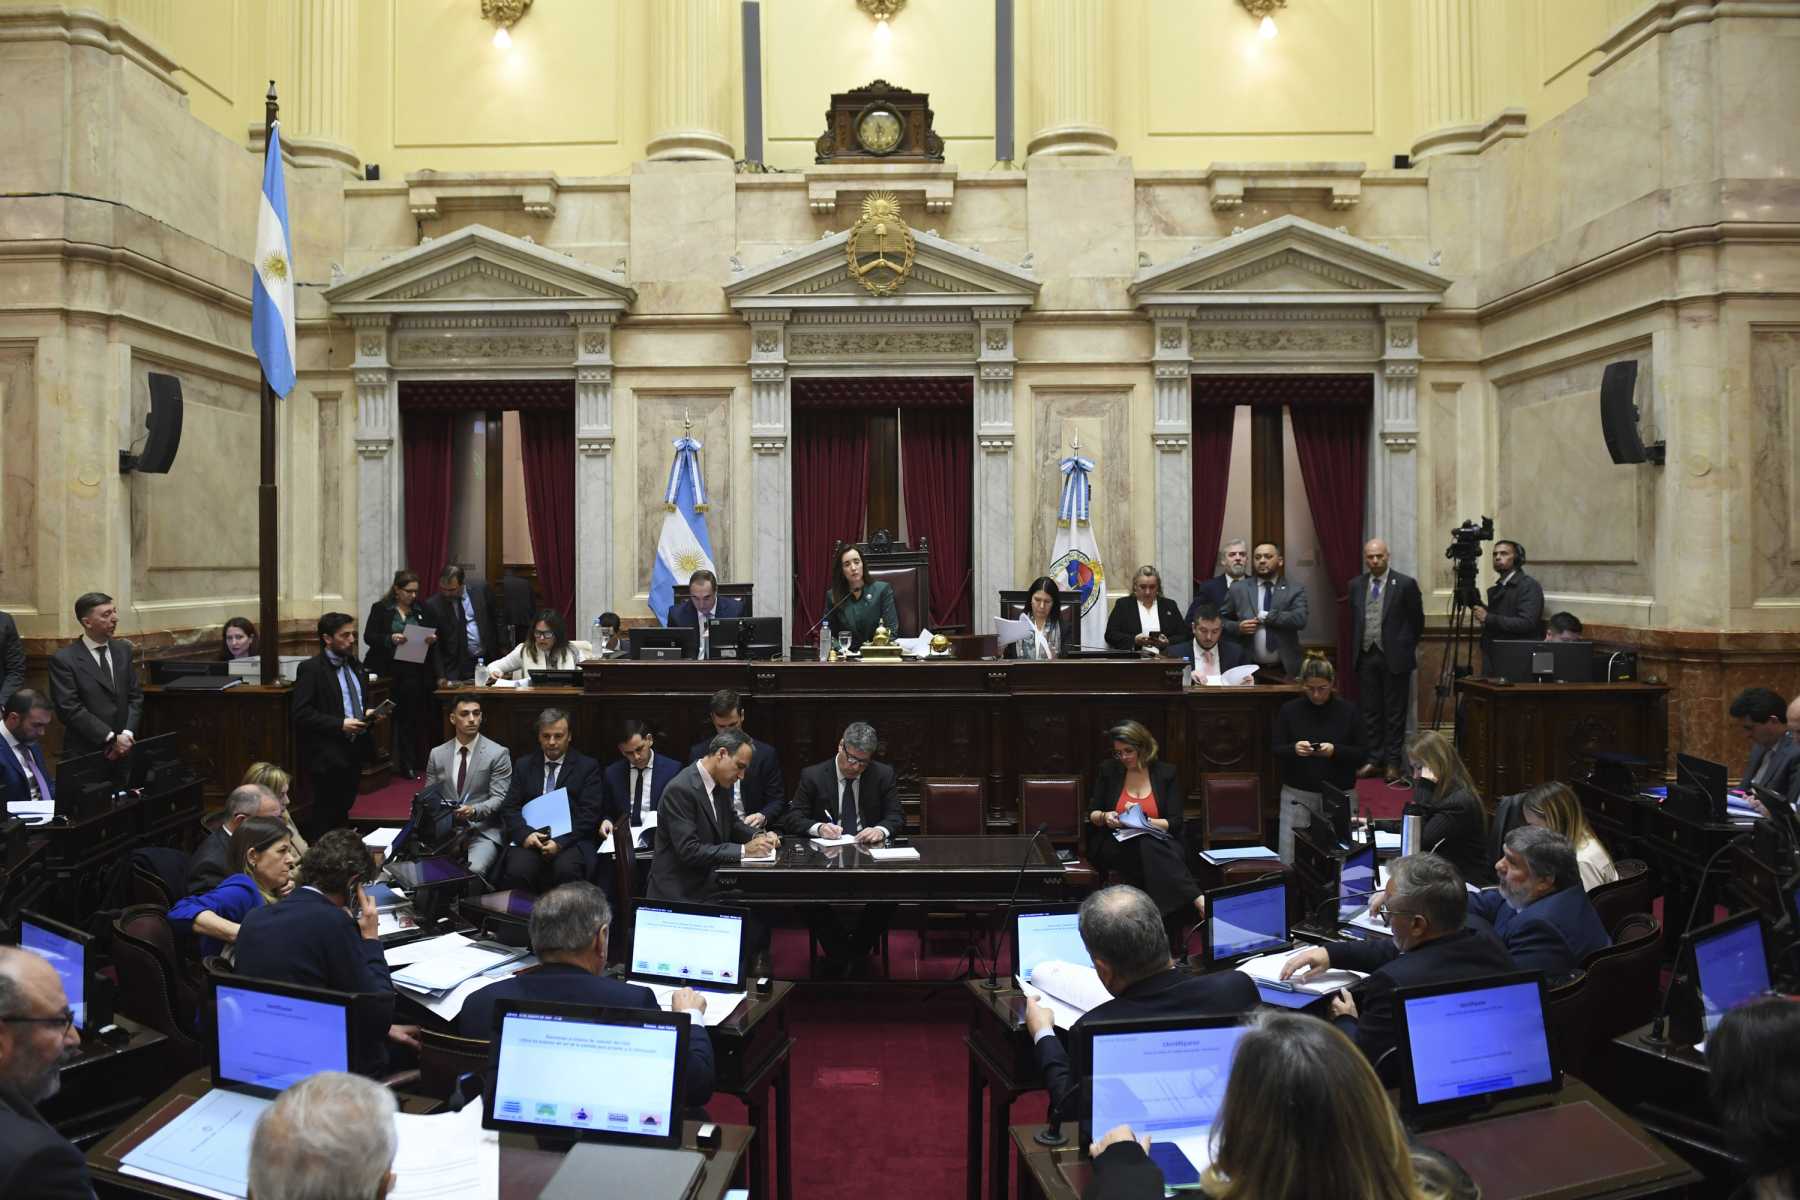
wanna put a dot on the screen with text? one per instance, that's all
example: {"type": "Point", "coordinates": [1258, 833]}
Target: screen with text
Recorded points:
{"type": "Point", "coordinates": [1249, 922]}
{"type": "Point", "coordinates": [701, 949]}
{"type": "Point", "coordinates": [272, 1041]}
{"type": "Point", "coordinates": [68, 956]}
{"type": "Point", "coordinates": [1733, 969]}
{"type": "Point", "coordinates": [1050, 937]}
{"type": "Point", "coordinates": [1355, 882]}
{"type": "Point", "coordinates": [575, 1074]}
{"type": "Point", "coordinates": [1167, 1083]}
{"type": "Point", "coordinates": [1478, 1042]}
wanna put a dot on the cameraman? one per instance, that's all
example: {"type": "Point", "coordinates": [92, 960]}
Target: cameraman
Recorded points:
{"type": "Point", "coordinates": [1515, 605]}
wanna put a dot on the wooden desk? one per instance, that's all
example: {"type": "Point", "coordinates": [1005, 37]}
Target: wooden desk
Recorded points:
{"type": "Point", "coordinates": [1665, 1088]}
{"type": "Point", "coordinates": [949, 870]}
{"type": "Point", "coordinates": [1515, 735]}
{"type": "Point", "coordinates": [1611, 1154]}
{"type": "Point", "coordinates": [22, 873]}
{"type": "Point", "coordinates": [1003, 1065]}
{"type": "Point", "coordinates": [79, 854]}
{"type": "Point", "coordinates": [104, 1084]}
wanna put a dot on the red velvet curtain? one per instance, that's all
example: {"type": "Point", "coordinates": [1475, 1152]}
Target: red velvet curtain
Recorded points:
{"type": "Point", "coordinates": [831, 494]}
{"type": "Point", "coordinates": [938, 475]}
{"type": "Point", "coordinates": [427, 441]}
{"type": "Point", "coordinates": [1332, 443]}
{"type": "Point", "coordinates": [547, 446]}
{"type": "Point", "coordinates": [1212, 483]}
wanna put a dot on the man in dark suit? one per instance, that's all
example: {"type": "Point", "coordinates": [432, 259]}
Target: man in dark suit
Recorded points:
{"type": "Point", "coordinates": [332, 718]}
{"type": "Point", "coordinates": [1387, 618]}
{"type": "Point", "coordinates": [1774, 754]}
{"type": "Point", "coordinates": [93, 683]}
{"type": "Point", "coordinates": [1515, 604]}
{"type": "Point", "coordinates": [536, 862]}
{"type": "Point", "coordinates": [1234, 557]}
{"type": "Point", "coordinates": [695, 827]}
{"type": "Point", "coordinates": [211, 861]}
{"type": "Point", "coordinates": [634, 785]}
{"type": "Point", "coordinates": [464, 616]}
{"type": "Point", "coordinates": [1427, 905]}
{"type": "Point", "coordinates": [24, 776]}
{"type": "Point", "coordinates": [849, 795]}
{"type": "Point", "coordinates": [1212, 653]}
{"type": "Point", "coordinates": [1124, 935]}
{"type": "Point", "coordinates": [1540, 911]}
{"type": "Point", "coordinates": [702, 605]}
{"type": "Point", "coordinates": [1267, 613]}
{"type": "Point", "coordinates": [758, 797]}
{"type": "Point", "coordinates": [569, 927]}
{"type": "Point", "coordinates": [12, 658]}
{"type": "Point", "coordinates": [36, 1036]}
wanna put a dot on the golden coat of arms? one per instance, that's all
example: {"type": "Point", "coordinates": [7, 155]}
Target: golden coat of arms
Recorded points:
{"type": "Point", "coordinates": [880, 247]}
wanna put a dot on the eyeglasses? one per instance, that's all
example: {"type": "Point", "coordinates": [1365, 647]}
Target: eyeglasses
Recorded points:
{"type": "Point", "coordinates": [543, 633]}
{"type": "Point", "coordinates": [861, 760]}
{"type": "Point", "coordinates": [65, 1019]}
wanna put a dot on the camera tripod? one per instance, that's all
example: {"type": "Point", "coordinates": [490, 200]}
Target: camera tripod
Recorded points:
{"type": "Point", "coordinates": [1459, 649]}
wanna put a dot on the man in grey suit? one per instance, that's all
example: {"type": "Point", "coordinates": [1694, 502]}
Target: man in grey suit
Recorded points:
{"type": "Point", "coordinates": [93, 684]}
{"type": "Point", "coordinates": [1267, 612]}
{"type": "Point", "coordinates": [1387, 617]}
{"type": "Point", "coordinates": [696, 827]}
{"type": "Point", "coordinates": [1774, 754]}
{"type": "Point", "coordinates": [477, 771]}
{"type": "Point", "coordinates": [12, 658]}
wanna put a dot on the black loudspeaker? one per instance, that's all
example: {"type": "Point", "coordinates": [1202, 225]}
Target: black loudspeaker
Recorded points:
{"type": "Point", "coordinates": [164, 425]}
{"type": "Point", "coordinates": [1619, 416]}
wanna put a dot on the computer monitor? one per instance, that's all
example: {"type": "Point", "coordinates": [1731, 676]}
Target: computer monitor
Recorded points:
{"type": "Point", "coordinates": [681, 641]}
{"type": "Point", "coordinates": [579, 1073]}
{"type": "Point", "coordinates": [1731, 966]}
{"type": "Point", "coordinates": [1245, 920]}
{"type": "Point", "coordinates": [1356, 882]}
{"type": "Point", "coordinates": [1164, 1077]}
{"type": "Point", "coordinates": [1047, 933]}
{"type": "Point", "coordinates": [690, 945]}
{"type": "Point", "coordinates": [156, 763]}
{"type": "Point", "coordinates": [163, 670]}
{"type": "Point", "coordinates": [1524, 661]}
{"type": "Point", "coordinates": [1469, 1044]}
{"type": "Point", "coordinates": [66, 949]}
{"type": "Point", "coordinates": [1338, 807]}
{"type": "Point", "coordinates": [268, 1036]}
{"type": "Point", "coordinates": [744, 637]}
{"type": "Point", "coordinates": [1703, 779]}
{"type": "Point", "coordinates": [85, 786]}
{"type": "Point", "coordinates": [565, 678]}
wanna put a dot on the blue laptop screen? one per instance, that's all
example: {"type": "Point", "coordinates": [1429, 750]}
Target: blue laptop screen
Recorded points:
{"type": "Point", "coordinates": [1732, 969]}
{"type": "Point", "coordinates": [1050, 937]}
{"type": "Point", "coordinates": [1355, 882]}
{"type": "Point", "coordinates": [272, 1041]}
{"type": "Point", "coordinates": [1168, 1083]}
{"type": "Point", "coordinates": [1478, 1042]}
{"type": "Point", "coordinates": [68, 957]}
{"type": "Point", "coordinates": [1249, 922]}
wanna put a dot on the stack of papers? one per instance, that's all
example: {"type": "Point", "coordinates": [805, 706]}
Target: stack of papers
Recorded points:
{"type": "Point", "coordinates": [1235, 677]}
{"type": "Point", "coordinates": [32, 812]}
{"type": "Point", "coordinates": [446, 962]}
{"type": "Point", "coordinates": [1134, 823]}
{"type": "Point", "coordinates": [1219, 858]}
{"type": "Point", "coordinates": [1070, 990]}
{"type": "Point", "coordinates": [448, 1005]}
{"type": "Point", "coordinates": [637, 833]}
{"type": "Point", "coordinates": [764, 858]}
{"type": "Point", "coordinates": [719, 1005]}
{"type": "Point", "coordinates": [844, 839]}
{"type": "Point", "coordinates": [445, 1155]}
{"type": "Point", "coordinates": [381, 839]}
{"type": "Point", "coordinates": [1266, 970]}
{"type": "Point", "coordinates": [1008, 630]}
{"type": "Point", "coordinates": [205, 1149]}
{"type": "Point", "coordinates": [916, 647]}
{"type": "Point", "coordinates": [894, 853]}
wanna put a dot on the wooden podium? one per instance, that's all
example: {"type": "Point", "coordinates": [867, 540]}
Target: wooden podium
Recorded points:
{"type": "Point", "coordinates": [1515, 735]}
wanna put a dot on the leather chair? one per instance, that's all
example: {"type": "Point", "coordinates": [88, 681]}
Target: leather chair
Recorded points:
{"type": "Point", "coordinates": [1626, 895]}
{"type": "Point", "coordinates": [908, 572]}
{"type": "Point", "coordinates": [158, 876]}
{"type": "Point", "coordinates": [1013, 602]}
{"type": "Point", "coordinates": [1568, 1017]}
{"type": "Point", "coordinates": [733, 591]}
{"type": "Point", "coordinates": [444, 1058]}
{"type": "Point", "coordinates": [1231, 809]}
{"type": "Point", "coordinates": [1055, 802]}
{"type": "Point", "coordinates": [951, 806]}
{"type": "Point", "coordinates": [1628, 974]}
{"type": "Point", "coordinates": [154, 986]}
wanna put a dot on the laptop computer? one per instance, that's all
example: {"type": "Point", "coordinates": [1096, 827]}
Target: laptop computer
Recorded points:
{"type": "Point", "coordinates": [1047, 933]}
{"type": "Point", "coordinates": [1466, 1046]}
{"type": "Point", "coordinates": [701, 946]}
{"type": "Point", "coordinates": [1162, 1076]}
{"type": "Point", "coordinates": [1731, 966]}
{"type": "Point", "coordinates": [1246, 920]}
{"type": "Point", "coordinates": [572, 1072]}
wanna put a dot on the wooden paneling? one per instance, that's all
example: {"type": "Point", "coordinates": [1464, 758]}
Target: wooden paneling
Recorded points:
{"type": "Point", "coordinates": [1517, 735]}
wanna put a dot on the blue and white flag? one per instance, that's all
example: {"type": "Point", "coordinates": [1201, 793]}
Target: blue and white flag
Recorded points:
{"type": "Point", "coordinates": [272, 290]}
{"type": "Point", "coordinates": [1075, 560]}
{"type": "Point", "coordinates": [685, 546]}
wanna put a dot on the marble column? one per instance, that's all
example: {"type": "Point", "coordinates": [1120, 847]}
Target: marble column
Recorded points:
{"type": "Point", "coordinates": [771, 479]}
{"type": "Point", "coordinates": [993, 555]}
{"type": "Point", "coordinates": [1447, 78]}
{"type": "Point", "coordinates": [314, 45]}
{"type": "Point", "coordinates": [1393, 501]}
{"type": "Point", "coordinates": [691, 101]}
{"type": "Point", "coordinates": [1171, 432]}
{"type": "Point", "coordinates": [1071, 109]}
{"type": "Point", "coordinates": [593, 467]}
{"type": "Point", "coordinates": [380, 523]}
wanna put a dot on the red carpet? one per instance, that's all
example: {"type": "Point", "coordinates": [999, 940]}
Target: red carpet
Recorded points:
{"type": "Point", "coordinates": [392, 803]}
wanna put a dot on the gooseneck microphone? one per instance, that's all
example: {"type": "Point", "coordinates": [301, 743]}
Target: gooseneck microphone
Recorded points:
{"type": "Point", "coordinates": [992, 983]}
{"type": "Point", "coordinates": [1657, 1038]}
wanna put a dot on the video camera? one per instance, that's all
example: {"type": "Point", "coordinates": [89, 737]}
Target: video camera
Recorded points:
{"type": "Point", "coordinates": [1465, 551]}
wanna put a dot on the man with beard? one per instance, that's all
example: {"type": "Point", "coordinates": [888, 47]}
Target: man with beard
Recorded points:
{"type": "Point", "coordinates": [37, 1032]}
{"type": "Point", "coordinates": [1515, 604]}
{"type": "Point", "coordinates": [1267, 613]}
{"type": "Point", "coordinates": [1236, 559]}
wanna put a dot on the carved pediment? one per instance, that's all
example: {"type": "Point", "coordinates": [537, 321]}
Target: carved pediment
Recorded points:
{"type": "Point", "coordinates": [1285, 260]}
{"type": "Point", "coordinates": [944, 274]}
{"type": "Point", "coordinates": [478, 268]}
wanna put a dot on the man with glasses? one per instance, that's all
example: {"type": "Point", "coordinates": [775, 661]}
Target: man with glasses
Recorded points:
{"type": "Point", "coordinates": [849, 795]}
{"type": "Point", "coordinates": [37, 1033]}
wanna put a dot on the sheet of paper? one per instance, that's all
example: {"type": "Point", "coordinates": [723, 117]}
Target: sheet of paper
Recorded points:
{"type": "Point", "coordinates": [916, 647]}
{"type": "Point", "coordinates": [894, 853]}
{"type": "Point", "coordinates": [1386, 841]}
{"type": "Point", "coordinates": [446, 1156]}
{"type": "Point", "coordinates": [847, 839]}
{"type": "Point", "coordinates": [415, 647]}
{"type": "Point", "coordinates": [765, 859]}
{"type": "Point", "coordinates": [206, 1148]}
{"type": "Point", "coordinates": [1219, 857]}
{"type": "Point", "coordinates": [1363, 920]}
{"type": "Point", "coordinates": [1008, 630]}
{"type": "Point", "coordinates": [1237, 675]}
{"type": "Point", "coordinates": [443, 971]}
{"type": "Point", "coordinates": [637, 832]}
{"type": "Point", "coordinates": [412, 952]}
{"type": "Point", "coordinates": [32, 812]}
{"type": "Point", "coordinates": [551, 809]}
{"type": "Point", "coordinates": [719, 1005]}
{"type": "Point", "coordinates": [381, 839]}
{"type": "Point", "coordinates": [449, 1005]}
{"type": "Point", "coordinates": [1267, 968]}
{"type": "Point", "coordinates": [1069, 989]}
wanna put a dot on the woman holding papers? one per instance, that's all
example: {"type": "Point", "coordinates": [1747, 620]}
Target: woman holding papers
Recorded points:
{"type": "Point", "coordinates": [548, 650]}
{"type": "Point", "coordinates": [1134, 824]}
{"type": "Point", "coordinates": [262, 858]}
{"type": "Point", "coordinates": [1044, 614]}
{"type": "Point", "coordinates": [384, 633]}
{"type": "Point", "coordinates": [856, 604]}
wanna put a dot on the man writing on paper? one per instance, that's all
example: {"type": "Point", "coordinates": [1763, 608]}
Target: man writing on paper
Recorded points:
{"type": "Point", "coordinates": [478, 772]}
{"type": "Point", "coordinates": [534, 861]}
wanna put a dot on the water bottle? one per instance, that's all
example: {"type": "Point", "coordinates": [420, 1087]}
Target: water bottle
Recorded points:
{"type": "Point", "coordinates": [825, 641]}
{"type": "Point", "coordinates": [480, 671]}
{"type": "Point", "coordinates": [594, 637]}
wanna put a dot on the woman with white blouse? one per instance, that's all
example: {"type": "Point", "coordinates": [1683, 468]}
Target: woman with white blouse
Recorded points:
{"type": "Point", "coordinates": [549, 649]}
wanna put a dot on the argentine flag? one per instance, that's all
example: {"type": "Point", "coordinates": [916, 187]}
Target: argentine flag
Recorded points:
{"type": "Point", "coordinates": [272, 290]}
{"type": "Point", "coordinates": [685, 546]}
{"type": "Point", "coordinates": [1075, 558]}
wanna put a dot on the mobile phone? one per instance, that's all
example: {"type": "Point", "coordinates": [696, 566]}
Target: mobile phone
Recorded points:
{"type": "Point", "coordinates": [381, 710]}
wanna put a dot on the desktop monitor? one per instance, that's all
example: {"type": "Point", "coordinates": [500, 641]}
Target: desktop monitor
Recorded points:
{"type": "Point", "coordinates": [564, 678]}
{"type": "Point", "coordinates": [1542, 662]}
{"type": "Point", "coordinates": [1702, 781]}
{"type": "Point", "coordinates": [1472, 1043]}
{"type": "Point", "coordinates": [580, 1073]}
{"type": "Point", "coordinates": [1047, 933]}
{"type": "Point", "coordinates": [166, 670]}
{"type": "Point", "coordinates": [1356, 882]}
{"type": "Point", "coordinates": [1164, 1077]}
{"type": "Point", "coordinates": [66, 949]}
{"type": "Point", "coordinates": [156, 763]}
{"type": "Point", "coordinates": [682, 641]}
{"type": "Point", "coordinates": [85, 786]}
{"type": "Point", "coordinates": [744, 637]}
{"type": "Point", "coordinates": [1731, 966]}
{"type": "Point", "coordinates": [1246, 920]}
{"type": "Point", "coordinates": [268, 1036]}
{"type": "Point", "coordinates": [690, 945]}
{"type": "Point", "coordinates": [1338, 807]}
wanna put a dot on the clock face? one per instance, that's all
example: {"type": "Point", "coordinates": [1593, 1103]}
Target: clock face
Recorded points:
{"type": "Point", "coordinates": [878, 131]}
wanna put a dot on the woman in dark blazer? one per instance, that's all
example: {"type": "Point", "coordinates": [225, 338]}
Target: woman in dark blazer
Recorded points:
{"type": "Point", "coordinates": [413, 682]}
{"type": "Point", "coordinates": [1157, 865]}
{"type": "Point", "coordinates": [1125, 624]}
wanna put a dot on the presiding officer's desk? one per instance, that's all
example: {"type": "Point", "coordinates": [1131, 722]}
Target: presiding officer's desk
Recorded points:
{"type": "Point", "coordinates": [981, 871]}
{"type": "Point", "coordinates": [1577, 1146]}
{"type": "Point", "coordinates": [524, 1168]}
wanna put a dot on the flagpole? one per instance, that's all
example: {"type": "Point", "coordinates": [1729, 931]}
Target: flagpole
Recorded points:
{"type": "Point", "coordinates": [268, 531]}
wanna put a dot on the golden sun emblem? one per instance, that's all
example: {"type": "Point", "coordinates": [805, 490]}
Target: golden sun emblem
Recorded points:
{"type": "Point", "coordinates": [881, 247]}
{"type": "Point", "coordinates": [275, 266]}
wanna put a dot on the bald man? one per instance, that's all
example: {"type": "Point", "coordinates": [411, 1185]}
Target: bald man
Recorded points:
{"type": "Point", "coordinates": [37, 1033]}
{"type": "Point", "coordinates": [1387, 615]}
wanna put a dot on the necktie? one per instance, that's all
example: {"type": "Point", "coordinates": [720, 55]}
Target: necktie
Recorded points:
{"type": "Point", "coordinates": [550, 776]}
{"type": "Point", "coordinates": [1268, 596]}
{"type": "Point", "coordinates": [31, 768]}
{"type": "Point", "coordinates": [847, 808]}
{"type": "Point", "coordinates": [103, 657]}
{"type": "Point", "coordinates": [462, 771]}
{"type": "Point", "coordinates": [637, 797]}
{"type": "Point", "coordinates": [1374, 591]}
{"type": "Point", "coordinates": [1207, 669]}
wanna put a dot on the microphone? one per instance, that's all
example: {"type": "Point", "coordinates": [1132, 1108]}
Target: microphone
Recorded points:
{"type": "Point", "coordinates": [1657, 1038]}
{"type": "Point", "coordinates": [833, 608]}
{"type": "Point", "coordinates": [1330, 900]}
{"type": "Point", "coordinates": [993, 983]}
